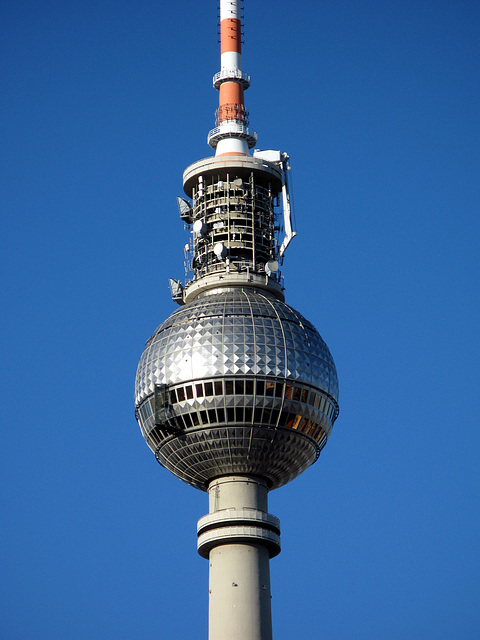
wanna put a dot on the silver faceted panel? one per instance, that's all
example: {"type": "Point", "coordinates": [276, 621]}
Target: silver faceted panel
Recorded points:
{"type": "Point", "coordinates": [277, 380]}
{"type": "Point", "coordinates": [235, 332]}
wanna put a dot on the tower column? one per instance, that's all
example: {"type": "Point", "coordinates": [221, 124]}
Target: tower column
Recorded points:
{"type": "Point", "coordinates": [239, 537]}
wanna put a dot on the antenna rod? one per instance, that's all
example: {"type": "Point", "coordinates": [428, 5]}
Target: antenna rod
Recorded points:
{"type": "Point", "coordinates": [231, 135]}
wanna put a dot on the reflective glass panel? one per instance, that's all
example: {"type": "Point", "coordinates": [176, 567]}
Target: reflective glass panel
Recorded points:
{"type": "Point", "coordinates": [296, 421]}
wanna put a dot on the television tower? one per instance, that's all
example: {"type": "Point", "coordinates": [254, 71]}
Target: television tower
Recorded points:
{"type": "Point", "coordinates": [236, 393]}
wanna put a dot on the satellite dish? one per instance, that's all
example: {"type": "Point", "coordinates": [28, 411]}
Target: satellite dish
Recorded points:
{"type": "Point", "coordinates": [199, 227]}
{"type": "Point", "coordinates": [271, 266]}
{"type": "Point", "coordinates": [220, 250]}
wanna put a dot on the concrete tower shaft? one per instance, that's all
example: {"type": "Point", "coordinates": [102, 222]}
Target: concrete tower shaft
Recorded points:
{"type": "Point", "coordinates": [239, 537]}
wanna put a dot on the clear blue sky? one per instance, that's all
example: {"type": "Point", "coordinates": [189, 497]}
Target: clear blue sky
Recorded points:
{"type": "Point", "coordinates": [104, 105]}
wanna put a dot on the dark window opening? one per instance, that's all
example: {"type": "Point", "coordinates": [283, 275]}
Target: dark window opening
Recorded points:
{"type": "Point", "coordinates": [209, 388]}
{"type": "Point", "coordinates": [239, 387]}
{"type": "Point", "coordinates": [290, 419]}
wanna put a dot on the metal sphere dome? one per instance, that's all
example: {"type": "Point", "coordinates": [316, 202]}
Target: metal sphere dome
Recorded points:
{"type": "Point", "coordinates": [236, 382]}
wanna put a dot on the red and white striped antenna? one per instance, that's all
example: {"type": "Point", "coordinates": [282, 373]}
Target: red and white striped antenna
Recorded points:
{"type": "Point", "coordinates": [231, 135]}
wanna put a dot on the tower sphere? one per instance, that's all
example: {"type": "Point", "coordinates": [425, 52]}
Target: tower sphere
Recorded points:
{"type": "Point", "coordinates": [236, 382]}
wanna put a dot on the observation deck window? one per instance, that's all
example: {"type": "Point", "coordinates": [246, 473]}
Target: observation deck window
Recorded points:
{"type": "Point", "coordinates": [269, 388]}
{"type": "Point", "coordinates": [209, 389]}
